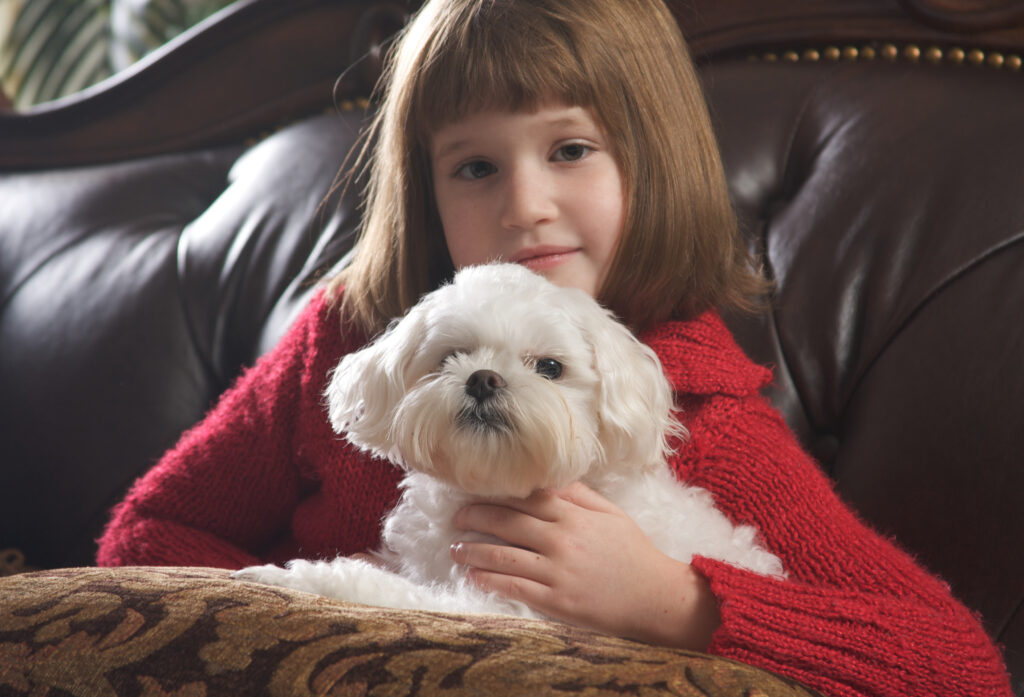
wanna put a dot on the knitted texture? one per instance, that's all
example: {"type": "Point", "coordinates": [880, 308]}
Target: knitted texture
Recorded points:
{"type": "Point", "coordinates": [264, 478]}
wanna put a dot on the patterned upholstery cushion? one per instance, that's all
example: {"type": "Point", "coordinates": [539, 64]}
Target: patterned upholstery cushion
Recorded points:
{"type": "Point", "coordinates": [189, 631]}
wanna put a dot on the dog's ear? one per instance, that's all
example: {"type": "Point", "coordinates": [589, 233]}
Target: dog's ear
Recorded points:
{"type": "Point", "coordinates": [636, 399]}
{"type": "Point", "coordinates": [367, 386]}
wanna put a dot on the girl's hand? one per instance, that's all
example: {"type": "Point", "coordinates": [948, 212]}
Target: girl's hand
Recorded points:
{"type": "Point", "coordinates": [577, 557]}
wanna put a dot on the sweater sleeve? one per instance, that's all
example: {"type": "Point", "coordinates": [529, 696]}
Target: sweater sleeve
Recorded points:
{"type": "Point", "coordinates": [856, 615]}
{"type": "Point", "coordinates": [224, 493]}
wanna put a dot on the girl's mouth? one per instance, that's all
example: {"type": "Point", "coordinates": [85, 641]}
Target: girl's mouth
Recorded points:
{"type": "Point", "coordinates": [540, 258]}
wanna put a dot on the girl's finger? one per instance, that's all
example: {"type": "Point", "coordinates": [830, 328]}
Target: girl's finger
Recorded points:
{"type": "Point", "coordinates": [542, 504]}
{"type": "Point", "coordinates": [583, 496]}
{"type": "Point", "coordinates": [502, 560]}
{"type": "Point", "coordinates": [513, 526]}
{"type": "Point", "coordinates": [533, 593]}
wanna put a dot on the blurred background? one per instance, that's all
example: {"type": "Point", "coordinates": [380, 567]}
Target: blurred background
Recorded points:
{"type": "Point", "coordinates": [53, 48]}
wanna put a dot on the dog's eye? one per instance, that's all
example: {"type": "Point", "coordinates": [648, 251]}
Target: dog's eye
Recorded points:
{"type": "Point", "coordinates": [549, 368]}
{"type": "Point", "coordinates": [450, 355]}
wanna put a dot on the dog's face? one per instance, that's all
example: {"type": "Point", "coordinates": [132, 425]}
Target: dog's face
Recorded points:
{"type": "Point", "coordinates": [501, 383]}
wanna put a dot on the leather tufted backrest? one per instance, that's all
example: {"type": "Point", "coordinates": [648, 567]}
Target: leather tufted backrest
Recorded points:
{"type": "Point", "coordinates": [886, 199]}
{"type": "Point", "coordinates": [132, 294]}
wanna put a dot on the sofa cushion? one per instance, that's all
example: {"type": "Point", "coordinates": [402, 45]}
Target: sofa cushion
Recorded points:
{"type": "Point", "coordinates": [191, 631]}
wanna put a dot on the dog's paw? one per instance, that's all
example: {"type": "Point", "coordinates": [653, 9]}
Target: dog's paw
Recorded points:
{"type": "Point", "coordinates": [328, 578]}
{"type": "Point", "coordinates": [268, 574]}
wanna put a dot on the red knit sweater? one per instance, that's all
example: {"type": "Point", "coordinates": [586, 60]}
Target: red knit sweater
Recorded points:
{"type": "Point", "coordinates": [264, 478]}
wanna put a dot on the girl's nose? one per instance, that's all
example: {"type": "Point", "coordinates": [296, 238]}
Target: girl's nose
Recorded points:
{"type": "Point", "coordinates": [529, 199]}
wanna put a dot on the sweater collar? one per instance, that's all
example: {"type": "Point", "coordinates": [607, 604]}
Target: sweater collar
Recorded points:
{"type": "Point", "coordinates": [700, 356]}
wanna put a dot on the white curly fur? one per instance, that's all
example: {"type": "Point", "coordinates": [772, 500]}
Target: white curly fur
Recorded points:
{"type": "Point", "coordinates": [605, 421]}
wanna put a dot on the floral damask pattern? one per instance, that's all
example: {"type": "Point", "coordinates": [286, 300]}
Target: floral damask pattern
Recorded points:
{"type": "Point", "coordinates": [163, 632]}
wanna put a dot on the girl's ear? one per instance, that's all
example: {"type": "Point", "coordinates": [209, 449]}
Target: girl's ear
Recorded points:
{"type": "Point", "coordinates": [367, 386]}
{"type": "Point", "coordinates": [635, 401]}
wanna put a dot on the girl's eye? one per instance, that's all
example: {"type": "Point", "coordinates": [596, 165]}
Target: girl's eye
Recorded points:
{"type": "Point", "coordinates": [571, 152]}
{"type": "Point", "coordinates": [549, 368]}
{"type": "Point", "coordinates": [477, 169]}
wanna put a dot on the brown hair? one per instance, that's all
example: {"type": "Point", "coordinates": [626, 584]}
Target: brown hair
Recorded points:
{"type": "Point", "coordinates": [679, 252]}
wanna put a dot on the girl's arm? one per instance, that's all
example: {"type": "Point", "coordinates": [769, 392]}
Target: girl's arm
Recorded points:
{"type": "Point", "coordinates": [228, 489]}
{"type": "Point", "coordinates": [856, 616]}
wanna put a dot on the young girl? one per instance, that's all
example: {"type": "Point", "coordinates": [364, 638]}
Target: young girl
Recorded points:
{"type": "Point", "coordinates": [569, 136]}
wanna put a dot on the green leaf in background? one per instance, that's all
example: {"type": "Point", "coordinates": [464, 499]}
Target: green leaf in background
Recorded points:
{"type": "Point", "coordinates": [53, 48]}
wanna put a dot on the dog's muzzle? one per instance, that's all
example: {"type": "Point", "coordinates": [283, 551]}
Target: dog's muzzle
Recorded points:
{"type": "Point", "coordinates": [485, 411]}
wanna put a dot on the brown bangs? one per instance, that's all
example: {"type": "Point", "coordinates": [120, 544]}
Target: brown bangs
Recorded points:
{"type": "Point", "coordinates": [499, 55]}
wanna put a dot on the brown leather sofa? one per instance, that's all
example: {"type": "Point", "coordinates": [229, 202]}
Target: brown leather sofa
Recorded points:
{"type": "Point", "coordinates": [159, 231]}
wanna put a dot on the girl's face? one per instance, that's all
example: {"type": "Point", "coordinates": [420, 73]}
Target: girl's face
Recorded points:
{"type": "Point", "coordinates": [537, 188]}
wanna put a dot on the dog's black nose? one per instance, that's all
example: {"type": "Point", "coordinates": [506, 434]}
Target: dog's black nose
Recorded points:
{"type": "Point", "coordinates": [484, 383]}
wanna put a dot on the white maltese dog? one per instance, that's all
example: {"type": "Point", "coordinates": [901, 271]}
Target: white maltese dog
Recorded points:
{"type": "Point", "coordinates": [493, 386]}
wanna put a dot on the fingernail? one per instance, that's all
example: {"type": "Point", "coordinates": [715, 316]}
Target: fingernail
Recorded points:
{"type": "Point", "coordinates": [456, 549]}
